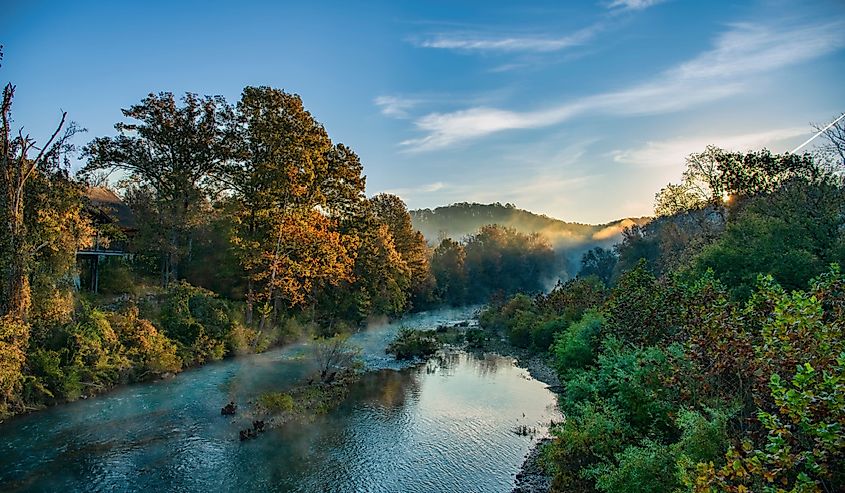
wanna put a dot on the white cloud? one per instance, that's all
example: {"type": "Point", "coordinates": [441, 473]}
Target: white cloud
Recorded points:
{"type": "Point", "coordinates": [673, 152]}
{"type": "Point", "coordinates": [738, 55]}
{"type": "Point", "coordinates": [394, 106]}
{"type": "Point", "coordinates": [475, 42]}
{"type": "Point", "coordinates": [633, 4]}
{"type": "Point", "coordinates": [421, 189]}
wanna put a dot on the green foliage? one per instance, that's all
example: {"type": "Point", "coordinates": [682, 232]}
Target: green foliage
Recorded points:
{"type": "Point", "coordinates": [590, 435]}
{"type": "Point", "coordinates": [115, 276]}
{"type": "Point", "coordinates": [449, 270]}
{"type": "Point", "coordinates": [598, 262]}
{"type": "Point", "coordinates": [639, 309]}
{"type": "Point", "coordinates": [650, 465]}
{"type": "Point", "coordinates": [413, 343]}
{"type": "Point", "coordinates": [152, 354]}
{"type": "Point", "coordinates": [276, 402]}
{"type": "Point", "coordinates": [576, 347]}
{"type": "Point", "coordinates": [199, 321]}
{"type": "Point", "coordinates": [14, 334]}
{"type": "Point", "coordinates": [758, 244]}
{"type": "Point", "coordinates": [573, 298]}
{"type": "Point", "coordinates": [475, 337]}
{"type": "Point", "coordinates": [500, 259]}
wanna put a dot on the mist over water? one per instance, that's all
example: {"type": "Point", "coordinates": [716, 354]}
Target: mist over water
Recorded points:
{"type": "Point", "coordinates": [442, 426]}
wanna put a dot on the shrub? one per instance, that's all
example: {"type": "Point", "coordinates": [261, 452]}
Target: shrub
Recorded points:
{"type": "Point", "coordinates": [199, 321]}
{"type": "Point", "coordinates": [649, 465]}
{"type": "Point", "coordinates": [475, 337]}
{"type": "Point", "coordinates": [410, 343]}
{"type": "Point", "coordinates": [577, 346]}
{"type": "Point", "coordinates": [14, 335]}
{"type": "Point", "coordinates": [276, 402]}
{"type": "Point", "coordinates": [151, 352]}
{"type": "Point", "coordinates": [590, 435]}
{"type": "Point", "coordinates": [640, 309]}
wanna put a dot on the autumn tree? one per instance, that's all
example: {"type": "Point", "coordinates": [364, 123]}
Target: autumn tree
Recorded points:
{"type": "Point", "coordinates": [410, 243]}
{"type": "Point", "coordinates": [170, 153]}
{"type": "Point", "coordinates": [290, 188]}
{"type": "Point", "coordinates": [23, 163]}
{"type": "Point", "coordinates": [42, 229]}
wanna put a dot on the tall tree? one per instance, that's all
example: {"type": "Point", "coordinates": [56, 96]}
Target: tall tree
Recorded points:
{"type": "Point", "coordinates": [289, 182]}
{"type": "Point", "coordinates": [447, 265]}
{"type": "Point", "coordinates": [410, 243]}
{"type": "Point", "coordinates": [171, 153]}
{"type": "Point", "coordinates": [22, 162]}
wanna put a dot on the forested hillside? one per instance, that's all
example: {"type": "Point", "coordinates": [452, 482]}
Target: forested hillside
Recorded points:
{"type": "Point", "coordinates": [464, 219]}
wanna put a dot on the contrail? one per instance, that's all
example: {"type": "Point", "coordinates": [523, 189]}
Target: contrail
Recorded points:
{"type": "Point", "coordinates": [834, 122]}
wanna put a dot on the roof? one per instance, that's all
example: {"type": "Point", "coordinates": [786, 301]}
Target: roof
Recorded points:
{"type": "Point", "coordinates": [109, 207]}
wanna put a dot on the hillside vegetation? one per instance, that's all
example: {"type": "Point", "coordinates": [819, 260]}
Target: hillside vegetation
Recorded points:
{"type": "Point", "coordinates": [711, 356]}
{"type": "Point", "coordinates": [463, 219]}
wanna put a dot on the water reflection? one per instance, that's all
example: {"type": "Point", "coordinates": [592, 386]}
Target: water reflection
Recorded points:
{"type": "Point", "coordinates": [444, 426]}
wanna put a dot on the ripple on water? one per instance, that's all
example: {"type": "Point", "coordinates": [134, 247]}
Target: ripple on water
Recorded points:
{"type": "Point", "coordinates": [446, 426]}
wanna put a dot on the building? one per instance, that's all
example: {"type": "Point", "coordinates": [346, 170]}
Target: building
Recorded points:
{"type": "Point", "coordinates": [114, 226]}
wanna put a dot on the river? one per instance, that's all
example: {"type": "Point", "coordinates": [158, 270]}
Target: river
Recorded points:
{"type": "Point", "coordinates": [442, 426]}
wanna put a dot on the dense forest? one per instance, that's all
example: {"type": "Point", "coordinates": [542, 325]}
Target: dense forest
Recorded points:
{"type": "Point", "coordinates": [238, 227]}
{"type": "Point", "coordinates": [705, 352]}
{"type": "Point", "coordinates": [569, 240]}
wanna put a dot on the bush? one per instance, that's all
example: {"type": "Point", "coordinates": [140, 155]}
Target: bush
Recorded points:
{"type": "Point", "coordinates": [276, 402]}
{"type": "Point", "coordinates": [544, 332]}
{"type": "Point", "coordinates": [650, 466]}
{"type": "Point", "coordinates": [14, 335]}
{"type": "Point", "coordinates": [635, 381]}
{"type": "Point", "coordinates": [151, 352]}
{"type": "Point", "coordinates": [590, 435]}
{"type": "Point", "coordinates": [577, 346]}
{"type": "Point", "coordinates": [200, 321]}
{"type": "Point", "coordinates": [640, 309]}
{"type": "Point", "coordinates": [410, 344]}
{"type": "Point", "coordinates": [475, 337]}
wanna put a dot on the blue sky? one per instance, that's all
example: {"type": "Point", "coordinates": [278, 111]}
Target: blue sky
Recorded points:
{"type": "Point", "coordinates": [579, 110]}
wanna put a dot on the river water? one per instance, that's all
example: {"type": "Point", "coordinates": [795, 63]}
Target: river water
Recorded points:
{"type": "Point", "coordinates": [442, 426]}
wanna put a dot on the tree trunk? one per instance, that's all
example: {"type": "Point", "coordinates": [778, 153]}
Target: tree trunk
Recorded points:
{"type": "Point", "coordinates": [250, 296]}
{"type": "Point", "coordinates": [17, 289]}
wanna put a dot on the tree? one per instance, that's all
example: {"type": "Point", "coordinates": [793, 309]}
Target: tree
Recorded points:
{"type": "Point", "coordinates": [410, 243]}
{"type": "Point", "coordinates": [449, 269]}
{"type": "Point", "coordinates": [285, 172]}
{"type": "Point", "coordinates": [674, 199]}
{"type": "Point", "coordinates": [835, 145]}
{"type": "Point", "coordinates": [502, 259]}
{"type": "Point", "coordinates": [172, 153]}
{"type": "Point", "coordinates": [598, 262]}
{"type": "Point", "coordinates": [23, 161]}
{"type": "Point", "coordinates": [334, 353]}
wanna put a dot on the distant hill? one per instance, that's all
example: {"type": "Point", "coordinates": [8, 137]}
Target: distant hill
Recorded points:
{"type": "Point", "coordinates": [571, 240]}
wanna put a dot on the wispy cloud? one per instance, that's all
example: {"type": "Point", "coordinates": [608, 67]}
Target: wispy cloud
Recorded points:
{"type": "Point", "coordinates": [738, 55]}
{"type": "Point", "coordinates": [673, 152]}
{"type": "Point", "coordinates": [633, 4]}
{"type": "Point", "coordinates": [395, 106]}
{"type": "Point", "coordinates": [418, 190]}
{"type": "Point", "coordinates": [473, 42]}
